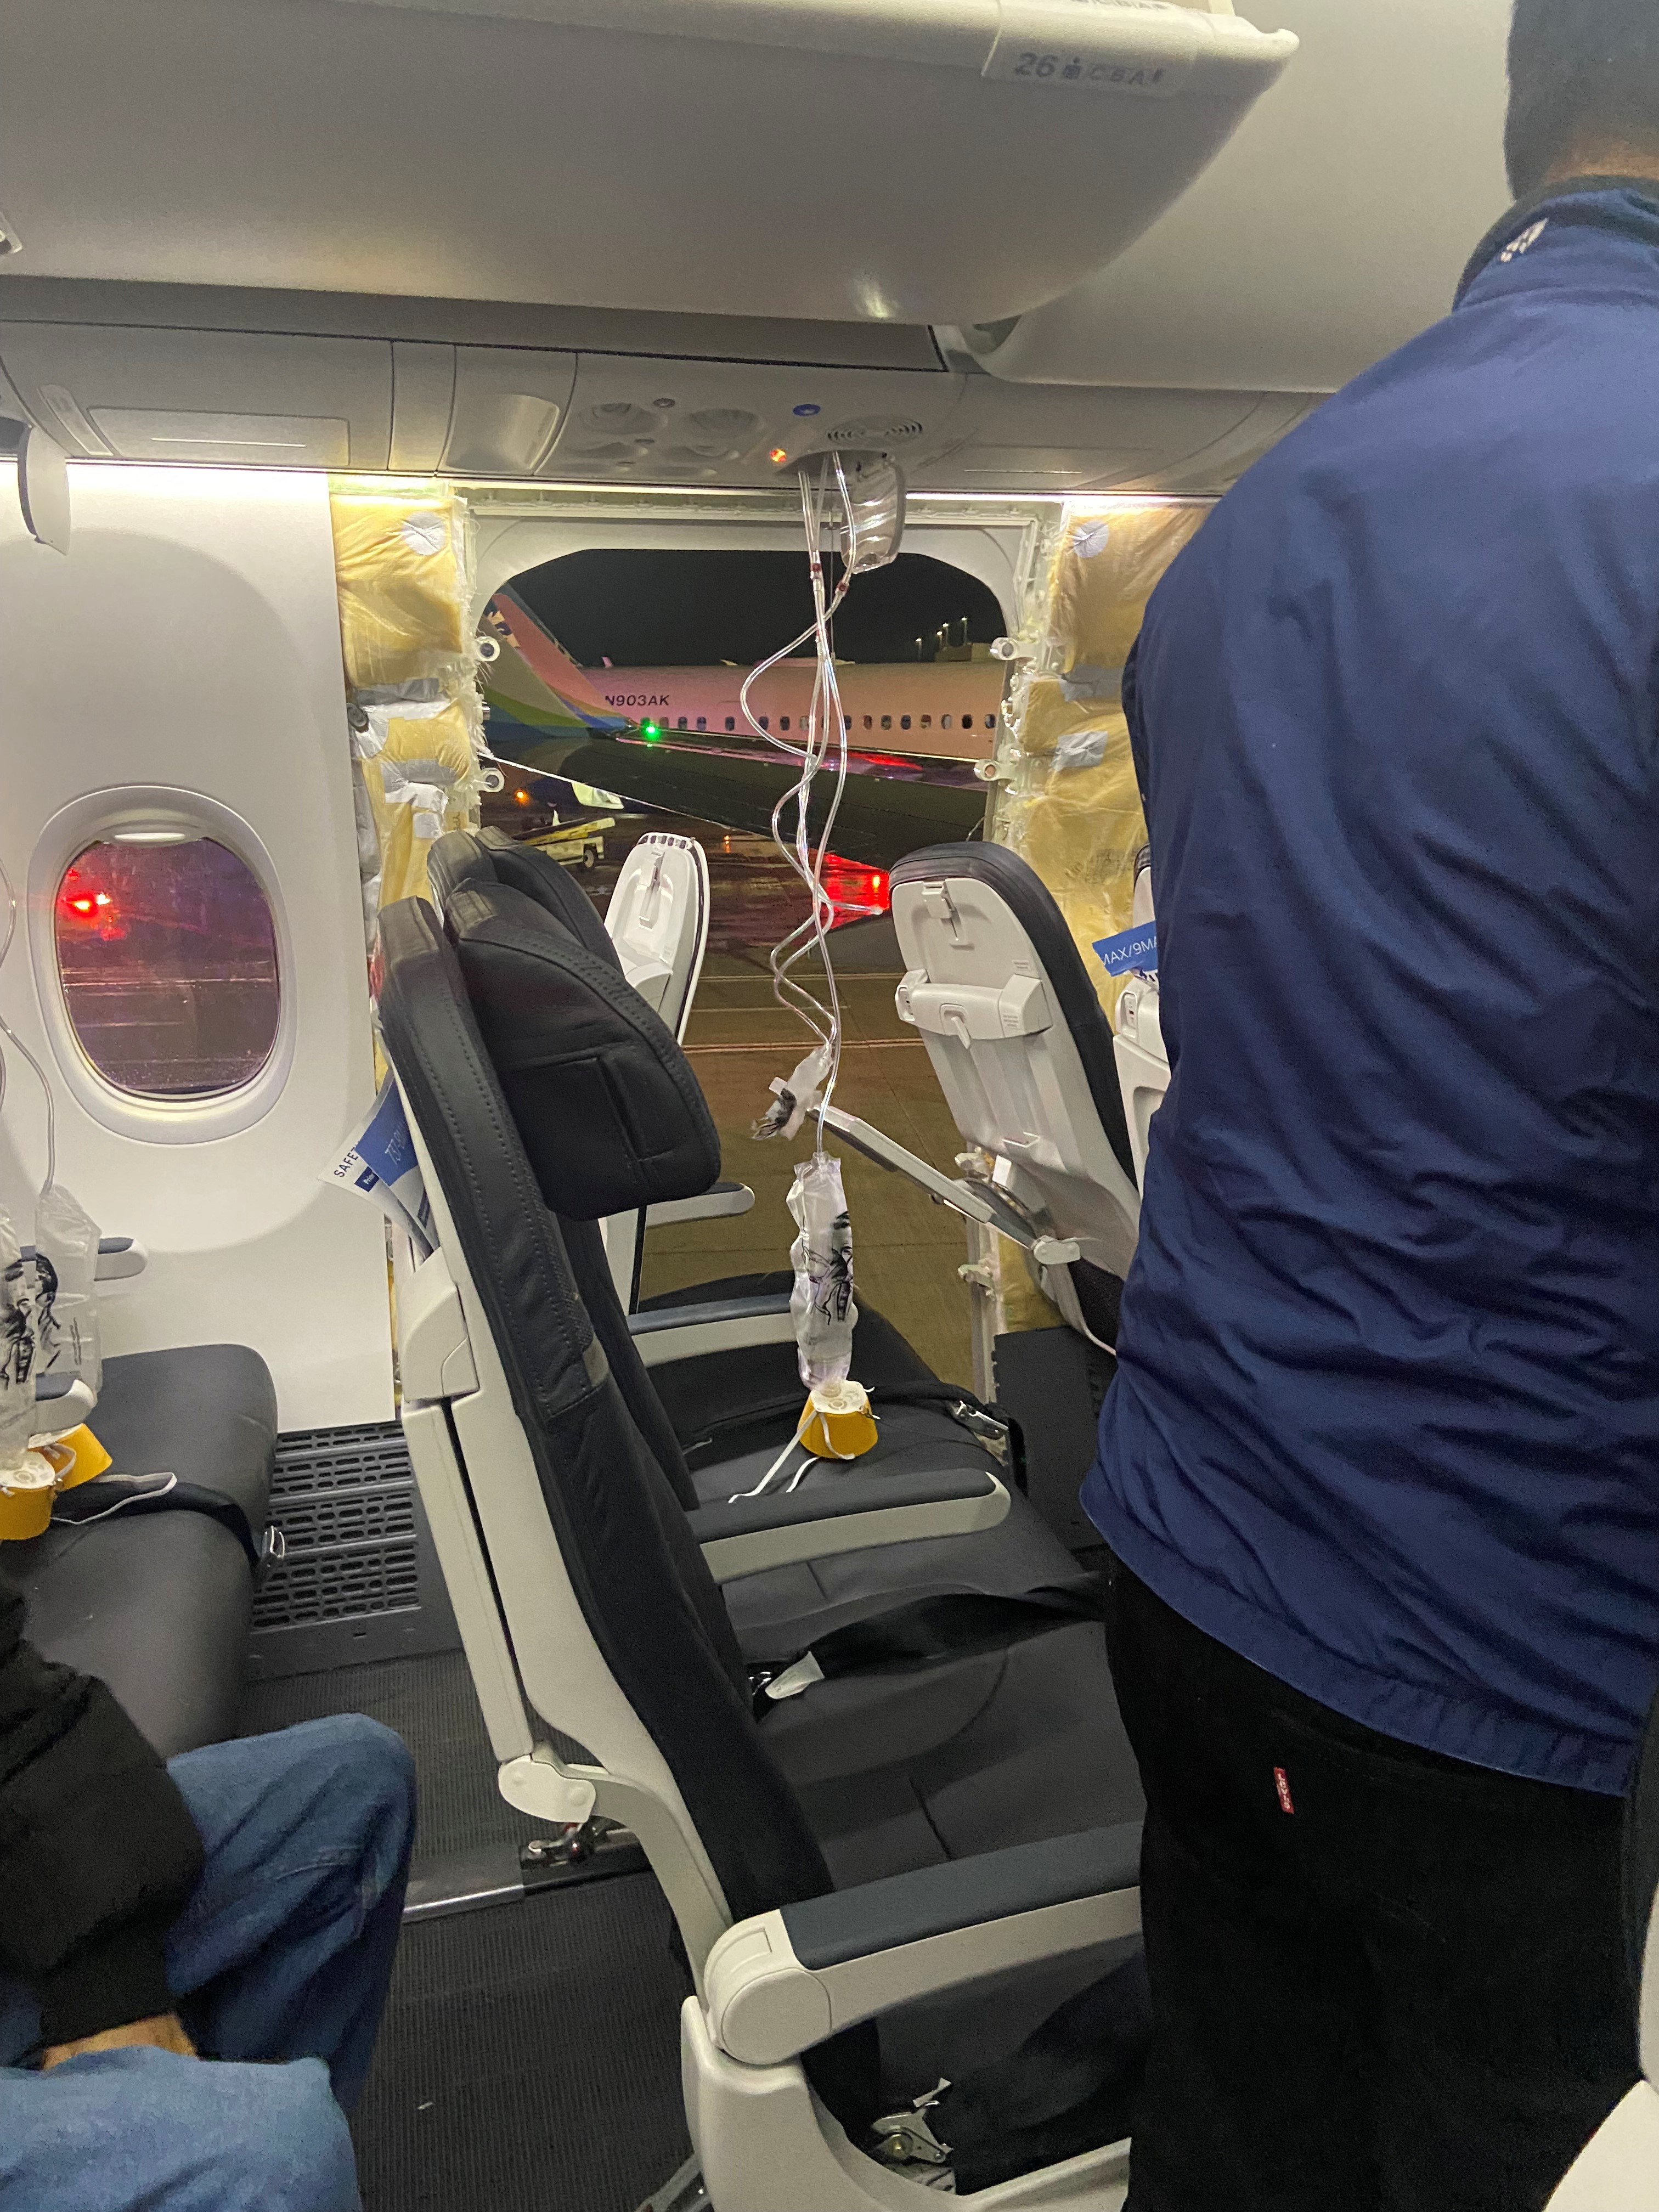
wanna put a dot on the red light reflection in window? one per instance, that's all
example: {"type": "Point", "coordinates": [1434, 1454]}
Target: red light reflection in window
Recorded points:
{"type": "Point", "coordinates": [88, 909]}
{"type": "Point", "coordinates": [168, 958]}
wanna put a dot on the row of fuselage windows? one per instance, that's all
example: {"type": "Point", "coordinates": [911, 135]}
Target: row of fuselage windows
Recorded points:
{"type": "Point", "coordinates": [905, 721]}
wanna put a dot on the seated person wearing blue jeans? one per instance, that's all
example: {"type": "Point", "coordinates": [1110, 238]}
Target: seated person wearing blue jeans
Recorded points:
{"type": "Point", "coordinates": [240, 1904]}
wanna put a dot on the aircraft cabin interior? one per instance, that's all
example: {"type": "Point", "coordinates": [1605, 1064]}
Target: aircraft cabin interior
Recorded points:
{"type": "Point", "coordinates": [485, 1037]}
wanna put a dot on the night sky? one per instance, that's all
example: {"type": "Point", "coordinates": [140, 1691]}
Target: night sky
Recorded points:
{"type": "Point", "coordinates": [679, 608]}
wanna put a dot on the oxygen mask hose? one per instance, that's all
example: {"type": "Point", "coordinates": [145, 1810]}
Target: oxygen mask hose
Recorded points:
{"type": "Point", "coordinates": [26, 1483]}
{"type": "Point", "coordinates": [837, 1422]}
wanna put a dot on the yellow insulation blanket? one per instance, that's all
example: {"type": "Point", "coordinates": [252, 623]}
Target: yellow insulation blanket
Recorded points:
{"type": "Point", "coordinates": [403, 565]}
{"type": "Point", "coordinates": [1074, 809]}
{"type": "Point", "coordinates": [417, 762]}
{"type": "Point", "coordinates": [403, 578]}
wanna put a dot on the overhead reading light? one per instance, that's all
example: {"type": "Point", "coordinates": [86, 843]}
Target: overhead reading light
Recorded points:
{"type": "Point", "coordinates": [152, 833]}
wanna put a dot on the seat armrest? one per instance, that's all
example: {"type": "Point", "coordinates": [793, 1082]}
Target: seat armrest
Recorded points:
{"type": "Point", "coordinates": [975, 1202]}
{"type": "Point", "coordinates": [119, 1257]}
{"type": "Point", "coordinates": [779, 1984]}
{"type": "Point", "coordinates": [667, 1333]}
{"type": "Point", "coordinates": [722, 1201]}
{"type": "Point", "coordinates": [851, 1513]}
{"type": "Point", "coordinates": [62, 1402]}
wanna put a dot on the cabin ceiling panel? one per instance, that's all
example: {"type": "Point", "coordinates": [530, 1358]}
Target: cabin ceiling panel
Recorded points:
{"type": "Point", "coordinates": [737, 422]}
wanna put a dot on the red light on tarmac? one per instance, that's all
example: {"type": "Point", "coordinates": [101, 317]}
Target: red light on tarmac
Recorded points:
{"type": "Point", "coordinates": [855, 888]}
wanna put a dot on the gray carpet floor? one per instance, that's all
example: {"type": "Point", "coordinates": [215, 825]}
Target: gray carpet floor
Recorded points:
{"type": "Point", "coordinates": [529, 2057]}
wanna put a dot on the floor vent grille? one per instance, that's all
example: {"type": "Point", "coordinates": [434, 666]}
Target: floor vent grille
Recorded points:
{"type": "Point", "coordinates": [358, 1579]}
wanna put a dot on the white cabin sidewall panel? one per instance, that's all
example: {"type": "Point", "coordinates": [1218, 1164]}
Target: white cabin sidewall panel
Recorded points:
{"type": "Point", "coordinates": [190, 644]}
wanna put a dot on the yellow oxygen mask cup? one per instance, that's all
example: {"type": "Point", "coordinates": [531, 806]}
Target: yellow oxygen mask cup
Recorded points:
{"type": "Point", "coordinates": [28, 1491]}
{"type": "Point", "coordinates": [837, 1423]}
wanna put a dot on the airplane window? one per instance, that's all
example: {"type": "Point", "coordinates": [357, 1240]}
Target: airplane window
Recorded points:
{"type": "Point", "coordinates": [944, 722]}
{"type": "Point", "coordinates": [926, 721]}
{"type": "Point", "coordinates": [766, 721]}
{"type": "Point", "coordinates": [167, 955]}
{"type": "Point", "coordinates": [703, 721]}
{"type": "Point", "coordinates": [869, 722]}
{"type": "Point", "coordinates": [730, 723]}
{"type": "Point", "coordinates": [681, 724]}
{"type": "Point", "coordinates": [783, 722]}
{"type": "Point", "coordinates": [904, 721]}
{"type": "Point", "coordinates": [887, 721]}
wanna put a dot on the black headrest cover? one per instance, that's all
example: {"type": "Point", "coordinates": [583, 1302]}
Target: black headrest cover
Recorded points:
{"type": "Point", "coordinates": [461, 857]}
{"type": "Point", "coordinates": [540, 876]}
{"type": "Point", "coordinates": [603, 1099]}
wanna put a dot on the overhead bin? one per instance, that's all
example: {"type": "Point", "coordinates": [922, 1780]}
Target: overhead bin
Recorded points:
{"type": "Point", "coordinates": [1005, 437]}
{"type": "Point", "coordinates": [248, 398]}
{"type": "Point", "coordinates": [1335, 230]}
{"type": "Point", "coordinates": [916, 160]}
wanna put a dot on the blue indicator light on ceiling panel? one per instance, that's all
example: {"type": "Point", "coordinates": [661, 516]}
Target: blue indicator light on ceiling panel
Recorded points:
{"type": "Point", "coordinates": [810, 407]}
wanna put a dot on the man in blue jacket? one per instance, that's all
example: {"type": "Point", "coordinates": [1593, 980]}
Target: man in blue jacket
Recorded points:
{"type": "Point", "coordinates": [1381, 1466]}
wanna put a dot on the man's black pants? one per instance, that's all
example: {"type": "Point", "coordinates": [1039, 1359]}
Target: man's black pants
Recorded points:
{"type": "Point", "coordinates": [1382, 1981]}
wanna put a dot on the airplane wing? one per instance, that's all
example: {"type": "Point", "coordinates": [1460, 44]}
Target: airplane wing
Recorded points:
{"type": "Point", "coordinates": [879, 820]}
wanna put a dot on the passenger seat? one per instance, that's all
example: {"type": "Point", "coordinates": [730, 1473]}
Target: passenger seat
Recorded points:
{"type": "Point", "coordinates": [552, 1017]}
{"type": "Point", "coordinates": [159, 1604]}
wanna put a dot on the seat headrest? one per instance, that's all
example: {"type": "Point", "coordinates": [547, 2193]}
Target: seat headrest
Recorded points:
{"type": "Point", "coordinates": [472, 856]}
{"type": "Point", "coordinates": [461, 857]}
{"type": "Point", "coordinates": [604, 1101]}
{"type": "Point", "coordinates": [540, 878]}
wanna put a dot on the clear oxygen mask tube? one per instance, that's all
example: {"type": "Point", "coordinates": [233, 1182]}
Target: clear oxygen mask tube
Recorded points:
{"type": "Point", "coordinates": [861, 515]}
{"type": "Point", "coordinates": [22, 1473]}
{"type": "Point", "coordinates": [48, 1304]}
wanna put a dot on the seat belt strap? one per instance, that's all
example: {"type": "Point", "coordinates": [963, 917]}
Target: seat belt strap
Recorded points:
{"type": "Point", "coordinates": [129, 1495]}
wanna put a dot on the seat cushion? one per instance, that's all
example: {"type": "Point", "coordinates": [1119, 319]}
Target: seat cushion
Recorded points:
{"type": "Point", "coordinates": [206, 1412]}
{"type": "Point", "coordinates": [764, 1379]}
{"type": "Point", "coordinates": [158, 1605]}
{"type": "Point", "coordinates": [734, 1410]}
{"type": "Point", "coordinates": [779, 1613]}
{"type": "Point", "coordinates": [944, 1762]}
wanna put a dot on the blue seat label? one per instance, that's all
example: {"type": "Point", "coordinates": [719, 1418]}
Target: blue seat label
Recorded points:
{"type": "Point", "coordinates": [1135, 950]}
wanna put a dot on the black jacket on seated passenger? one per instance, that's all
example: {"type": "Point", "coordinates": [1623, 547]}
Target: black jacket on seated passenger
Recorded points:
{"type": "Point", "coordinates": [98, 1852]}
